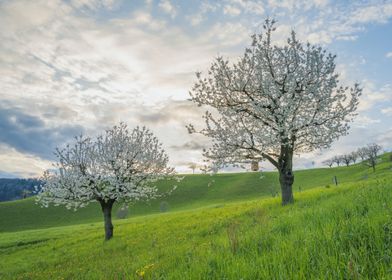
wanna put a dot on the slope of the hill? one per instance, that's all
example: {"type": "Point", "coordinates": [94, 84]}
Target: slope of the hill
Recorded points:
{"type": "Point", "coordinates": [340, 232]}
{"type": "Point", "coordinates": [193, 192]}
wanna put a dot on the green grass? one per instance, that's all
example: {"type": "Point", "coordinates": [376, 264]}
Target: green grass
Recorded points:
{"type": "Point", "coordinates": [193, 192]}
{"type": "Point", "coordinates": [330, 233]}
{"type": "Point", "coordinates": [342, 232]}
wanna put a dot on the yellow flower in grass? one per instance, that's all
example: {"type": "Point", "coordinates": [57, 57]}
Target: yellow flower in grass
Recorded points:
{"type": "Point", "coordinates": [142, 271]}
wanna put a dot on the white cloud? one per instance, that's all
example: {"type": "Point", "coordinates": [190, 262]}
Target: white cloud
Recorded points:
{"type": "Point", "coordinates": [296, 4]}
{"type": "Point", "coordinates": [231, 10]}
{"type": "Point", "coordinates": [373, 95]}
{"type": "Point", "coordinates": [168, 8]}
{"type": "Point", "coordinates": [196, 19]}
{"type": "Point", "coordinates": [379, 12]}
{"type": "Point", "coordinates": [200, 16]}
{"type": "Point", "coordinates": [332, 22]}
{"type": "Point", "coordinates": [235, 7]}
{"type": "Point", "coordinates": [389, 55]}
{"type": "Point", "coordinates": [205, 8]}
{"type": "Point", "coordinates": [387, 111]}
{"type": "Point", "coordinates": [364, 121]}
{"type": "Point", "coordinates": [20, 164]}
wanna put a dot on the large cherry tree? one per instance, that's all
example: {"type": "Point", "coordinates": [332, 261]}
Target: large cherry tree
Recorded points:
{"type": "Point", "coordinates": [117, 166]}
{"type": "Point", "coordinates": [274, 102]}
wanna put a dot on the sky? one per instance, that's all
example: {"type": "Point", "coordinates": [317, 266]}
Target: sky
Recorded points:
{"type": "Point", "coordinates": [82, 66]}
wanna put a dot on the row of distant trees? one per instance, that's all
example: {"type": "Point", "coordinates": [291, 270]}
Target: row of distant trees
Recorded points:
{"type": "Point", "coordinates": [368, 155]}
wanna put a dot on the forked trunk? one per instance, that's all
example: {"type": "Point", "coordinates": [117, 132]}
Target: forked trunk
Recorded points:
{"type": "Point", "coordinates": [286, 176]}
{"type": "Point", "coordinates": [107, 216]}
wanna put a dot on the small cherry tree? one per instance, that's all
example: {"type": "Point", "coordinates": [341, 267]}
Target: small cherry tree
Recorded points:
{"type": "Point", "coordinates": [273, 102]}
{"type": "Point", "coordinates": [118, 166]}
{"type": "Point", "coordinates": [372, 152]}
{"type": "Point", "coordinates": [328, 162]}
{"type": "Point", "coordinates": [346, 158]}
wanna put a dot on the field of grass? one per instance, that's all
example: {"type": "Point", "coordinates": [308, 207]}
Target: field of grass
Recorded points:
{"type": "Point", "coordinates": [194, 191]}
{"type": "Point", "coordinates": [331, 232]}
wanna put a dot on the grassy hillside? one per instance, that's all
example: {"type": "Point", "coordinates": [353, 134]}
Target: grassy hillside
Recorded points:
{"type": "Point", "coordinates": [340, 232]}
{"type": "Point", "coordinates": [194, 191]}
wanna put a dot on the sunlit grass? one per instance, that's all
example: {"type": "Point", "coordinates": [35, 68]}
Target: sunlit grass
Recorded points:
{"type": "Point", "coordinates": [330, 233]}
{"type": "Point", "coordinates": [342, 232]}
{"type": "Point", "coordinates": [194, 191]}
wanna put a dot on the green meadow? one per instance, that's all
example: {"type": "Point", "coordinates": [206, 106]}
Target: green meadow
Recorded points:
{"type": "Point", "coordinates": [226, 226]}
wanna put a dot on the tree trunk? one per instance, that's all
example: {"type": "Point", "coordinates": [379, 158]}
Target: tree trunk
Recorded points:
{"type": "Point", "coordinates": [286, 176]}
{"type": "Point", "coordinates": [286, 184]}
{"type": "Point", "coordinates": [107, 216]}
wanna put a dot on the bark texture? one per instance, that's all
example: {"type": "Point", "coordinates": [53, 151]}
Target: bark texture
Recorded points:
{"type": "Point", "coordinates": [107, 216]}
{"type": "Point", "coordinates": [286, 176]}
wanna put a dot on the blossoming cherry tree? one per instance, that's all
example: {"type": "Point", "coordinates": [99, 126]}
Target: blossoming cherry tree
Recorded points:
{"type": "Point", "coordinates": [118, 166]}
{"type": "Point", "coordinates": [276, 100]}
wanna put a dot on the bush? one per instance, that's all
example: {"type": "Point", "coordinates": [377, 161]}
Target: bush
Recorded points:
{"type": "Point", "coordinates": [164, 206]}
{"type": "Point", "coordinates": [122, 213]}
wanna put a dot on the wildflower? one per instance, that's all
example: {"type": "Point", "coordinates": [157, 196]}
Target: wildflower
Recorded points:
{"type": "Point", "coordinates": [142, 271]}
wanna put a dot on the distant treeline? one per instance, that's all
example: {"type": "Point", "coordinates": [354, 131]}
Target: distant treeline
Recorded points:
{"type": "Point", "coordinates": [368, 155]}
{"type": "Point", "coordinates": [11, 189]}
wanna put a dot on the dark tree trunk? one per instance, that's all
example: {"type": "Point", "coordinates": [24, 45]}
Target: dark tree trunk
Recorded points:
{"type": "Point", "coordinates": [107, 216]}
{"type": "Point", "coordinates": [286, 184]}
{"type": "Point", "coordinates": [286, 176]}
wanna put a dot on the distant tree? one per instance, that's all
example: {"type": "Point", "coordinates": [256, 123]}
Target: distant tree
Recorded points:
{"type": "Point", "coordinates": [329, 162]}
{"type": "Point", "coordinates": [362, 153]}
{"type": "Point", "coordinates": [122, 212]}
{"type": "Point", "coordinates": [119, 166]}
{"type": "Point", "coordinates": [372, 153]}
{"type": "Point", "coordinates": [25, 193]}
{"type": "Point", "coordinates": [164, 206]}
{"type": "Point", "coordinates": [274, 102]}
{"type": "Point", "coordinates": [192, 166]}
{"type": "Point", "coordinates": [346, 158]}
{"type": "Point", "coordinates": [338, 160]}
{"type": "Point", "coordinates": [354, 156]}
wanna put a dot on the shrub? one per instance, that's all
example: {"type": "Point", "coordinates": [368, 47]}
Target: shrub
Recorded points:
{"type": "Point", "coordinates": [164, 206]}
{"type": "Point", "coordinates": [122, 213]}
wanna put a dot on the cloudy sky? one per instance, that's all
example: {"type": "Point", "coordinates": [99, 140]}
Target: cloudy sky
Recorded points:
{"type": "Point", "coordinates": [81, 66]}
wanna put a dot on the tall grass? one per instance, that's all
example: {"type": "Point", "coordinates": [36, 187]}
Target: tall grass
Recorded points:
{"type": "Point", "coordinates": [342, 232]}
